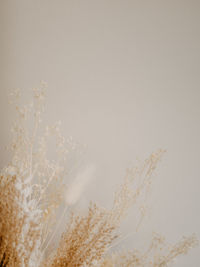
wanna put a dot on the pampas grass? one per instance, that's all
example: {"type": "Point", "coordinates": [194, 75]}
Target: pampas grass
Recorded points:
{"type": "Point", "coordinates": [34, 202]}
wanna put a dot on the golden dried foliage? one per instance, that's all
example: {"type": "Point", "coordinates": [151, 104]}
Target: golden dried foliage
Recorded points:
{"type": "Point", "coordinates": [32, 190]}
{"type": "Point", "coordinates": [136, 184]}
{"type": "Point", "coordinates": [20, 231]}
{"type": "Point", "coordinates": [10, 228]}
{"type": "Point", "coordinates": [159, 253]}
{"type": "Point", "coordinates": [85, 240]}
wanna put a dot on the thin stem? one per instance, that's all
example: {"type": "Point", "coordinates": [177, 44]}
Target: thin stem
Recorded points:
{"type": "Point", "coordinates": [45, 188]}
{"type": "Point", "coordinates": [122, 239]}
{"type": "Point", "coordinates": [57, 226]}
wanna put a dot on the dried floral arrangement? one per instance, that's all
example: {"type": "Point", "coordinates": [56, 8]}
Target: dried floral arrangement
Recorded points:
{"type": "Point", "coordinates": [35, 201]}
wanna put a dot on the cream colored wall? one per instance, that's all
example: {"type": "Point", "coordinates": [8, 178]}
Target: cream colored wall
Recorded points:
{"type": "Point", "coordinates": [123, 77]}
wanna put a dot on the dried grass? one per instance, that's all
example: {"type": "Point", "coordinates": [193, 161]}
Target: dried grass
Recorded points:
{"type": "Point", "coordinates": [32, 190]}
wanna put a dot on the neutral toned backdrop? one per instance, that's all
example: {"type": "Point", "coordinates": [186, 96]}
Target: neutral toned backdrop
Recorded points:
{"type": "Point", "coordinates": [123, 77]}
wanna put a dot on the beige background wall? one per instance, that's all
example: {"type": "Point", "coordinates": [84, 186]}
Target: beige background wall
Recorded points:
{"type": "Point", "coordinates": [123, 77]}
